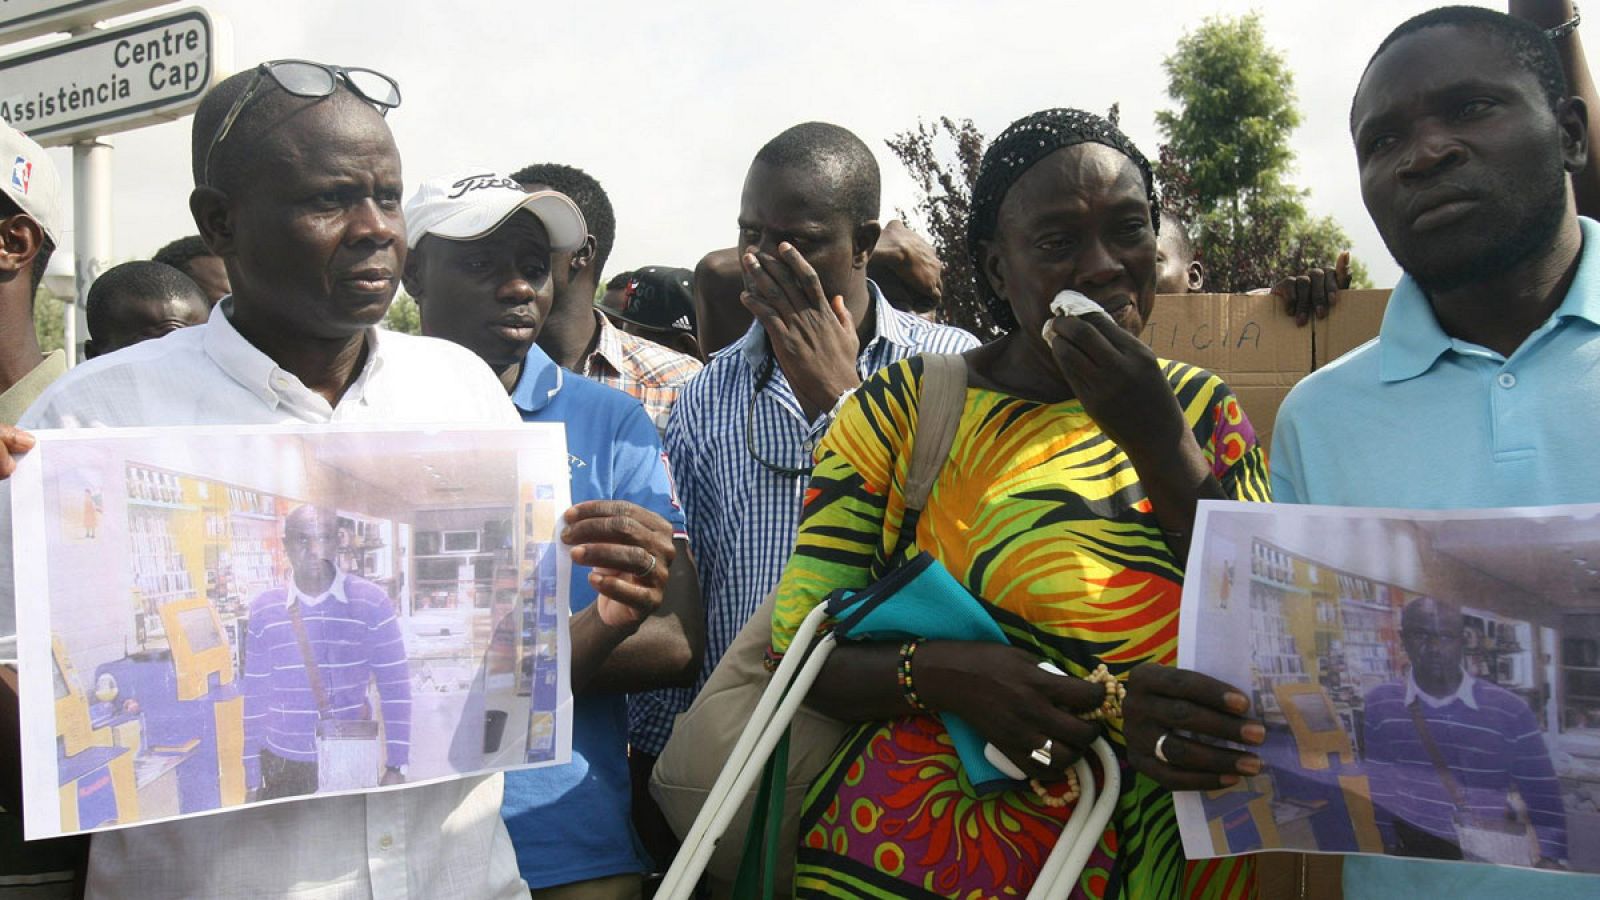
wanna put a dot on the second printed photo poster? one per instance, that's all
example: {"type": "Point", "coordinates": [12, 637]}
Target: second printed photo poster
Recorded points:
{"type": "Point", "coordinates": [1429, 681]}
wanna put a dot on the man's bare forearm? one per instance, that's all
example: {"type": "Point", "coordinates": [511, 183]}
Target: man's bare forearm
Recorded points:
{"type": "Point", "coordinates": [667, 649]}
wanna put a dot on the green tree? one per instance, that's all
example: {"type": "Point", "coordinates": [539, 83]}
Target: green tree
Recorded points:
{"type": "Point", "coordinates": [1225, 162]}
{"type": "Point", "coordinates": [49, 324]}
{"type": "Point", "coordinates": [402, 315]}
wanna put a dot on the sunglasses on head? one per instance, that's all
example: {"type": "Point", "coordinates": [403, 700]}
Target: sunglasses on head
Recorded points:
{"type": "Point", "coordinates": [303, 78]}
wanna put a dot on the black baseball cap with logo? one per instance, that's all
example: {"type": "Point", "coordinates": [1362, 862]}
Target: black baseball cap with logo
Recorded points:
{"type": "Point", "coordinates": [657, 297]}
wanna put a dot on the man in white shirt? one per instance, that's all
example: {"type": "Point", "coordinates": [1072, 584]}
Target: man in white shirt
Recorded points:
{"type": "Point", "coordinates": [300, 196]}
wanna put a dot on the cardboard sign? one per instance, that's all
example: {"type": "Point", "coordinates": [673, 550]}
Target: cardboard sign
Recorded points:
{"type": "Point", "coordinates": [1254, 346]}
{"type": "Point", "coordinates": [1351, 323]}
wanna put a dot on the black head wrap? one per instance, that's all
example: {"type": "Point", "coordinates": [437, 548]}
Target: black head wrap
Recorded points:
{"type": "Point", "coordinates": [1023, 143]}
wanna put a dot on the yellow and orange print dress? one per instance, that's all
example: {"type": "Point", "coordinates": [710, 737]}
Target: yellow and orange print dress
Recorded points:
{"type": "Point", "coordinates": [1042, 517]}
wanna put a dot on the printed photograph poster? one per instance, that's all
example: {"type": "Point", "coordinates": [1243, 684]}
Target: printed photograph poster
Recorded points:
{"type": "Point", "coordinates": [1430, 681]}
{"type": "Point", "coordinates": [209, 618]}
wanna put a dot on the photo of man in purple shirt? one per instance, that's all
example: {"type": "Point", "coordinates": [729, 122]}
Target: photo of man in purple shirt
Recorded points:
{"type": "Point", "coordinates": [352, 636]}
{"type": "Point", "coordinates": [1445, 751]}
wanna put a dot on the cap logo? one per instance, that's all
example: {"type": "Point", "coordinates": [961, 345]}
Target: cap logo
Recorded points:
{"type": "Point", "coordinates": [21, 174]}
{"type": "Point", "coordinates": [481, 182]}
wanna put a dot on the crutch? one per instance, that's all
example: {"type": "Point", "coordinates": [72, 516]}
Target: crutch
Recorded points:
{"type": "Point", "coordinates": [776, 709]}
{"type": "Point", "coordinates": [1088, 820]}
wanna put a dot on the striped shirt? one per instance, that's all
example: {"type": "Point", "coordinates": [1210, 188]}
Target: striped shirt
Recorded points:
{"type": "Point", "coordinates": [1491, 743]}
{"type": "Point", "coordinates": [642, 369]}
{"type": "Point", "coordinates": [355, 641]}
{"type": "Point", "coordinates": [742, 516]}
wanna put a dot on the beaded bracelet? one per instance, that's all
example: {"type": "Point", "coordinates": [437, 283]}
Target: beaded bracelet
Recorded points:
{"type": "Point", "coordinates": [907, 686]}
{"type": "Point", "coordinates": [1111, 707]}
{"type": "Point", "coordinates": [1054, 800]}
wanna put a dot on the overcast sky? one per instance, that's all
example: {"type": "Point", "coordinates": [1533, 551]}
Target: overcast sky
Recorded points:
{"type": "Point", "coordinates": [666, 103]}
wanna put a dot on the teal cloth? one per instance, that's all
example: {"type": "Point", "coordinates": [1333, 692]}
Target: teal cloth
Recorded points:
{"type": "Point", "coordinates": [921, 599]}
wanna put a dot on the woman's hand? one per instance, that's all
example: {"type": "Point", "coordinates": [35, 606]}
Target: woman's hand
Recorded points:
{"type": "Point", "coordinates": [1119, 382]}
{"type": "Point", "coordinates": [1161, 702]}
{"type": "Point", "coordinates": [1014, 704]}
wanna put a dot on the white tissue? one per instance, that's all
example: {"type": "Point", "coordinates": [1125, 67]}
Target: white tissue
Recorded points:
{"type": "Point", "coordinates": [1067, 303]}
{"type": "Point", "coordinates": [1072, 303]}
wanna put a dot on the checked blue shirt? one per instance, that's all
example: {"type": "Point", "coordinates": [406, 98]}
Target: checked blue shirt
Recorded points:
{"type": "Point", "coordinates": [742, 516]}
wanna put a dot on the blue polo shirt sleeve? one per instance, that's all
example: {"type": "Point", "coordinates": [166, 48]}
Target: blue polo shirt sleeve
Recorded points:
{"type": "Point", "coordinates": [640, 469]}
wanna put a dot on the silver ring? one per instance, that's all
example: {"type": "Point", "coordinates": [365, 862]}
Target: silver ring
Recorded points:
{"type": "Point", "coordinates": [650, 568]}
{"type": "Point", "coordinates": [1160, 753]}
{"type": "Point", "coordinates": [1042, 755]}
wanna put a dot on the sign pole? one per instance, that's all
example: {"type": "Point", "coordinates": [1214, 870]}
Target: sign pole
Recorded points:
{"type": "Point", "coordinates": [91, 242]}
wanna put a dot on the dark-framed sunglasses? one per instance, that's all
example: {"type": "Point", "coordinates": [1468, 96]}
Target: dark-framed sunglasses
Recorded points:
{"type": "Point", "coordinates": [304, 78]}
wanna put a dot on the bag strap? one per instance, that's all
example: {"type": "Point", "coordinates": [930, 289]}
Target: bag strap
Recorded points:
{"type": "Point", "coordinates": [944, 395]}
{"type": "Point", "coordinates": [757, 877]}
{"type": "Point", "coordinates": [1437, 757]}
{"type": "Point", "coordinates": [313, 675]}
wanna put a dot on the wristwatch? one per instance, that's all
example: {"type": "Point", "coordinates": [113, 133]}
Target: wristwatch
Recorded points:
{"type": "Point", "coordinates": [838, 406]}
{"type": "Point", "coordinates": [1567, 27]}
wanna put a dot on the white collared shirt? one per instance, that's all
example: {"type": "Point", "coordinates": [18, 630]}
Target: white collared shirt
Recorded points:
{"type": "Point", "coordinates": [307, 601]}
{"type": "Point", "coordinates": [435, 841]}
{"type": "Point", "coordinates": [1463, 692]}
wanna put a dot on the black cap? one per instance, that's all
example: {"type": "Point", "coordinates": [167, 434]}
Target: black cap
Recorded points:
{"type": "Point", "coordinates": [658, 297]}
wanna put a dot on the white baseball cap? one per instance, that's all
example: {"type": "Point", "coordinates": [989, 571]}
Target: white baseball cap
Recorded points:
{"type": "Point", "coordinates": [472, 203]}
{"type": "Point", "coordinates": [30, 180]}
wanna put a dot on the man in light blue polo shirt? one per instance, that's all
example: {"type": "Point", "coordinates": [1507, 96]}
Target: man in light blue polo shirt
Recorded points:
{"type": "Point", "coordinates": [480, 269]}
{"type": "Point", "coordinates": [1482, 388]}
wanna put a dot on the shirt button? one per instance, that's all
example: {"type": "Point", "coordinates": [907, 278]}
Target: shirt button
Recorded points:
{"type": "Point", "coordinates": [385, 842]}
{"type": "Point", "coordinates": [809, 445]}
{"type": "Point", "coordinates": [1506, 380]}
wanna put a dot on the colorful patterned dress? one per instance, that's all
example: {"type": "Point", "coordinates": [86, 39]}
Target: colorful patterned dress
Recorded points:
{"type": "Point", "coordinates": [1039, 514]}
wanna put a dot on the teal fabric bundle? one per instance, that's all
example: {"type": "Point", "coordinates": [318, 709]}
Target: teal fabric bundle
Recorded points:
{"type": "Point", "coordinates": [921, 599]}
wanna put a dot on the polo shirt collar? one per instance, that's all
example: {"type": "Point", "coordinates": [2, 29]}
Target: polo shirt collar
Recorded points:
{"type": "Point", "coordinates": [1411, 339]}
{"type": "Point", "coordinates": [1464, 693]}
{"type": "Point", "coordinates": [539, 382]}
{"type": "Point", "coordinates": [887, 325]}
{"type": "Point", "coordinates": [15, 400]}
{"type": "Point", "coordinates": [306, 601]}
{"type": "Point", "coordinates": [256, 372]}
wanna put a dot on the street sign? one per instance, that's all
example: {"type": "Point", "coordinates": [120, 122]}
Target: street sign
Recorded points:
{"type": "Point", "coordinates": [22, 19]}
{"type": "Point", "coordinates": [102, 82]}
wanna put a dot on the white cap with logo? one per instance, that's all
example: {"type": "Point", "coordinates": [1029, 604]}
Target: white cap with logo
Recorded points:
{"type": "Point", "coordinates": [30, 180]}
{"type": "Point", "coordinates": [470, 204]}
